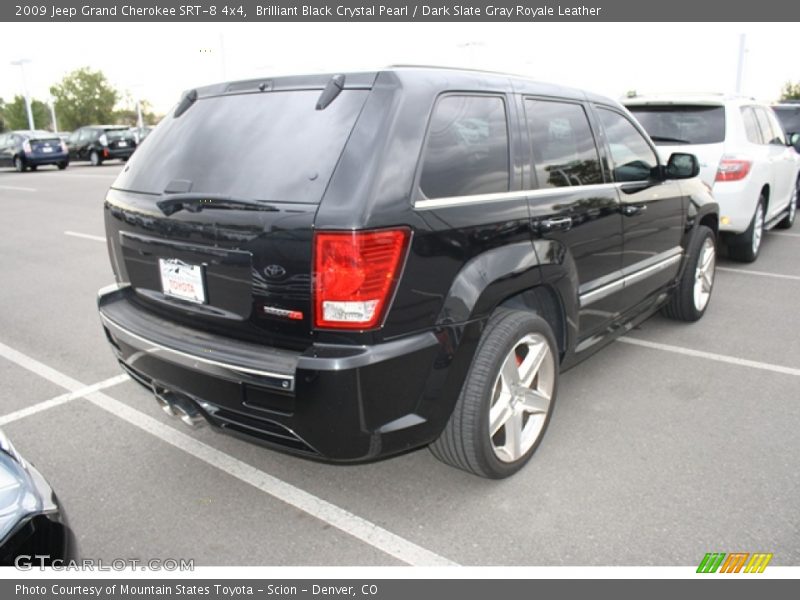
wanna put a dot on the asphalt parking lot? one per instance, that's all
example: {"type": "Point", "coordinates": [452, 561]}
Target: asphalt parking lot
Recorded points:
{"type": "Point", "coordinates": [676, 441]}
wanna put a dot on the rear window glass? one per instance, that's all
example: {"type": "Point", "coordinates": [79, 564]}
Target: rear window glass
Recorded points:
{"type": "Point", "coordinates": [789, 118]}
{"type": "Point", "coordinates": [117, 134]}
{"type": "Point", "coordinates": [467, 148]}
{"type": "Point", "coordinates": [268, 146]}
{"type": "Point", "coordinates": [682, 124]}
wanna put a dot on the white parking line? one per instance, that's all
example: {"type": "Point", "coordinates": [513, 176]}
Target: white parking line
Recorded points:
{"type": "Point", "coordinates": [86, 236]}
{"type": "Point", "coordinates": [731, 360]}
{"type": "Point", "coordinates": [759, 273]}
{"type": "Point", "coordinates": [62, 399]}
{"type": "Point", "coordinates": [15, 188]}
{"type": "Point", "coordinates": [342, 519]}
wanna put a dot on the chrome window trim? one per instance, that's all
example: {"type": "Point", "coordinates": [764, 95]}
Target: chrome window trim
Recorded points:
{"type": "Point", "coordinates": [433, 203]}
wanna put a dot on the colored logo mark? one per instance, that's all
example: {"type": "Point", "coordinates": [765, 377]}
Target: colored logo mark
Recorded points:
{"type": "Point", "coordinates": [734, 562]}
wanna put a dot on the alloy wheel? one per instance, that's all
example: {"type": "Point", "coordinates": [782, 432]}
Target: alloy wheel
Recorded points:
{"type": "Point", "coordinates": [704, 274]}
{"type": "Point", "coordinates": [758, 228]}
{"type": "Point", "coordinates": [521, 398]}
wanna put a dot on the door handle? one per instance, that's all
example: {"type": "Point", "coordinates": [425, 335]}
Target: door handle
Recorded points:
{"type": "Point", "coordinates": [629, 210]}
{"type": "Point", "coordinates": [556, 224]}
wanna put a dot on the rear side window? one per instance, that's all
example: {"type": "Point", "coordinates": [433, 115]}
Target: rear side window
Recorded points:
{"type": "Point", "coordinates": [751, 129]}
{"type": "Point", "coordinates": [633, 158]}
{"type": "Point", "coordinates": [562, 144]}
{"type": "Point", "coordinates": [466, 151]}
{"type": "Point", "coordinates": [682, 124]}
{"type": "Point", "coordinates": [267, 146]}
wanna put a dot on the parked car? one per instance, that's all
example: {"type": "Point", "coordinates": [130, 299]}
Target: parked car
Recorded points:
{"type": "Point", "coordinates": [394, 259]}
{"type": "Point", "coordinates": [744, 156]}
{"type": "Point", "coordinates": [25, 150]}
{"type": "Point", "coordinates": [789, 116]}
{"type": "Point", "coordinates": [99, 143]}
{"type": "Point", "coordinates": [33, 527]}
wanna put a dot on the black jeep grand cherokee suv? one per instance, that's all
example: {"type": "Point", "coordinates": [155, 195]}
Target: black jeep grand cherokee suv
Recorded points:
{"type": "Point", "coordinates": [353, 266]}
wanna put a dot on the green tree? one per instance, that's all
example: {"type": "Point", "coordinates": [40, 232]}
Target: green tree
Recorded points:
{"type": "Point", "coordinates": [15, 116]}
{"type": "Point", "coordinates": [84, 97]}
{"type": "Point", "coordinates": [791, 91]}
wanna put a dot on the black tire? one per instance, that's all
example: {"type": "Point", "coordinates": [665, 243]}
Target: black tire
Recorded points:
{"type": "Point", "coordinates": [466, 442]}
{"type": "Point", "coordinates": [743, 247]}
{"type": "Point", "coordinates": [95, 159]}
{"type": "Point", "coordinates": [62, 165]}
{"type": "Point", "coordinates": [788, 220]}
{"type": "Point", "coordinates": [33, 167]}
{"type": "Point", "coordinates": [19, 164]}
{"type": "Point", "coordinates": [683, 305]}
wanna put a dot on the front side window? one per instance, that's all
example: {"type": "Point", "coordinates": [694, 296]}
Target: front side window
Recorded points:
{"type": "Point", "coordinates": [562, 144]}
{"type": "Point", "coordinates": [633, 158]}
{"type": "Point", "coordinates": [466, 152]}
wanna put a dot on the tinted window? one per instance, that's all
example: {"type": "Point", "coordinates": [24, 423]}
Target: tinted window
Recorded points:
{"type": "Point", "coordinates": [564, 152]}
{"type": "Point", "coordinates": [118, 134]}
{"type": "Point", "coordinates": [632, 156]}
{"type": "Point", "coordinates": [751, 129]}
{"type": "Point", "coordinates": [467, 148]}
{"type": "Point", "coordinates": [770, 137]}
{"type": "Point", "coordinates": [266, 146]}
{"type": "Point", "coordinates": [679, 124]}
{"type": "Point", "coordinates": [789, 117]}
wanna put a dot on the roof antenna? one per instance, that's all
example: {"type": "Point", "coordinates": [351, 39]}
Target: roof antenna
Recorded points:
{"type": "Point", "coordinates": [331, 91]}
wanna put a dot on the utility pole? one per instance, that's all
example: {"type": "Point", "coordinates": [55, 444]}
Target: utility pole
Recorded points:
{"type": "Point", "coordinates": [740, 66]}
{"type": "Point", "coordinates": [53, 114]}
{"type": "Point", "coordinates": [21, 64]}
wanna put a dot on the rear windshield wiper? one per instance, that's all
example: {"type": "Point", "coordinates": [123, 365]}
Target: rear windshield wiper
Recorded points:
{"type": "Point", "coordinates": [661, 138]}
{"type": "Point", "coordinates": [197, 202]}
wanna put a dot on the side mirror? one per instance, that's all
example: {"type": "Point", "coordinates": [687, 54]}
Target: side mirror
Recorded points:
{"type": "Point", "coordinates": [794, 140]}
{"type": "Point", "coordinates": [682, 166]}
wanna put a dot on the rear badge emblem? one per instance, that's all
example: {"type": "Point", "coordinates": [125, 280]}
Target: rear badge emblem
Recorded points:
{"type": "Point", "coordinates": [274, 271]}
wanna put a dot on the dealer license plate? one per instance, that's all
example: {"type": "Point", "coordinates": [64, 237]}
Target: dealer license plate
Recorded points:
{"type": "Point", "coordinates": [182, 280]}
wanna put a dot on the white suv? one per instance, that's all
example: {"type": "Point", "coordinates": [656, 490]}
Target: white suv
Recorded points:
{"type": "Point", "coordinates": [744, 157]}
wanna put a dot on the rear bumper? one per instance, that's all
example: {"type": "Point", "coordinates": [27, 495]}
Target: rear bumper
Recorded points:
{"type": "Point", "coordinates": [46, 159]}
{"type": "Point", "coordinates": [112, 153]}
{"type": "Point", "coordinates": [737, 203]}
{"type": "Point", "coordinates": [331, 402]}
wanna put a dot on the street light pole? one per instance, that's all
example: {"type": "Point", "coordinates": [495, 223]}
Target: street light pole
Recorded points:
{"type": "Point", "coordinates": [21, 64]}
{"type": "Point", "coordinates": [53, 114]}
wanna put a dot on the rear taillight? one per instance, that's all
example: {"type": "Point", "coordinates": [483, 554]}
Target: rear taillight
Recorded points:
{"type": "Point", "coordinates": [355, 273]}
{"type": "Point", "coordinates": [64, 148]}
{"type": "Point", "coordinates": [26, 147]}
{"type": "Point", "coordinates": [733, 169]}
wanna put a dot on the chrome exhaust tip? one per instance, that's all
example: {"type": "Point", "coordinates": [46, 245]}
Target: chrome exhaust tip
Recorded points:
{"type": "Point", "coordinates": [166, 401]}
{"type": "Point", "coordinates": [188, 413]}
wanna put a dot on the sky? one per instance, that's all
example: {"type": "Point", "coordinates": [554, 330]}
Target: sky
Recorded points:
{"type": "Point", "coordinates": [157, 61]}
